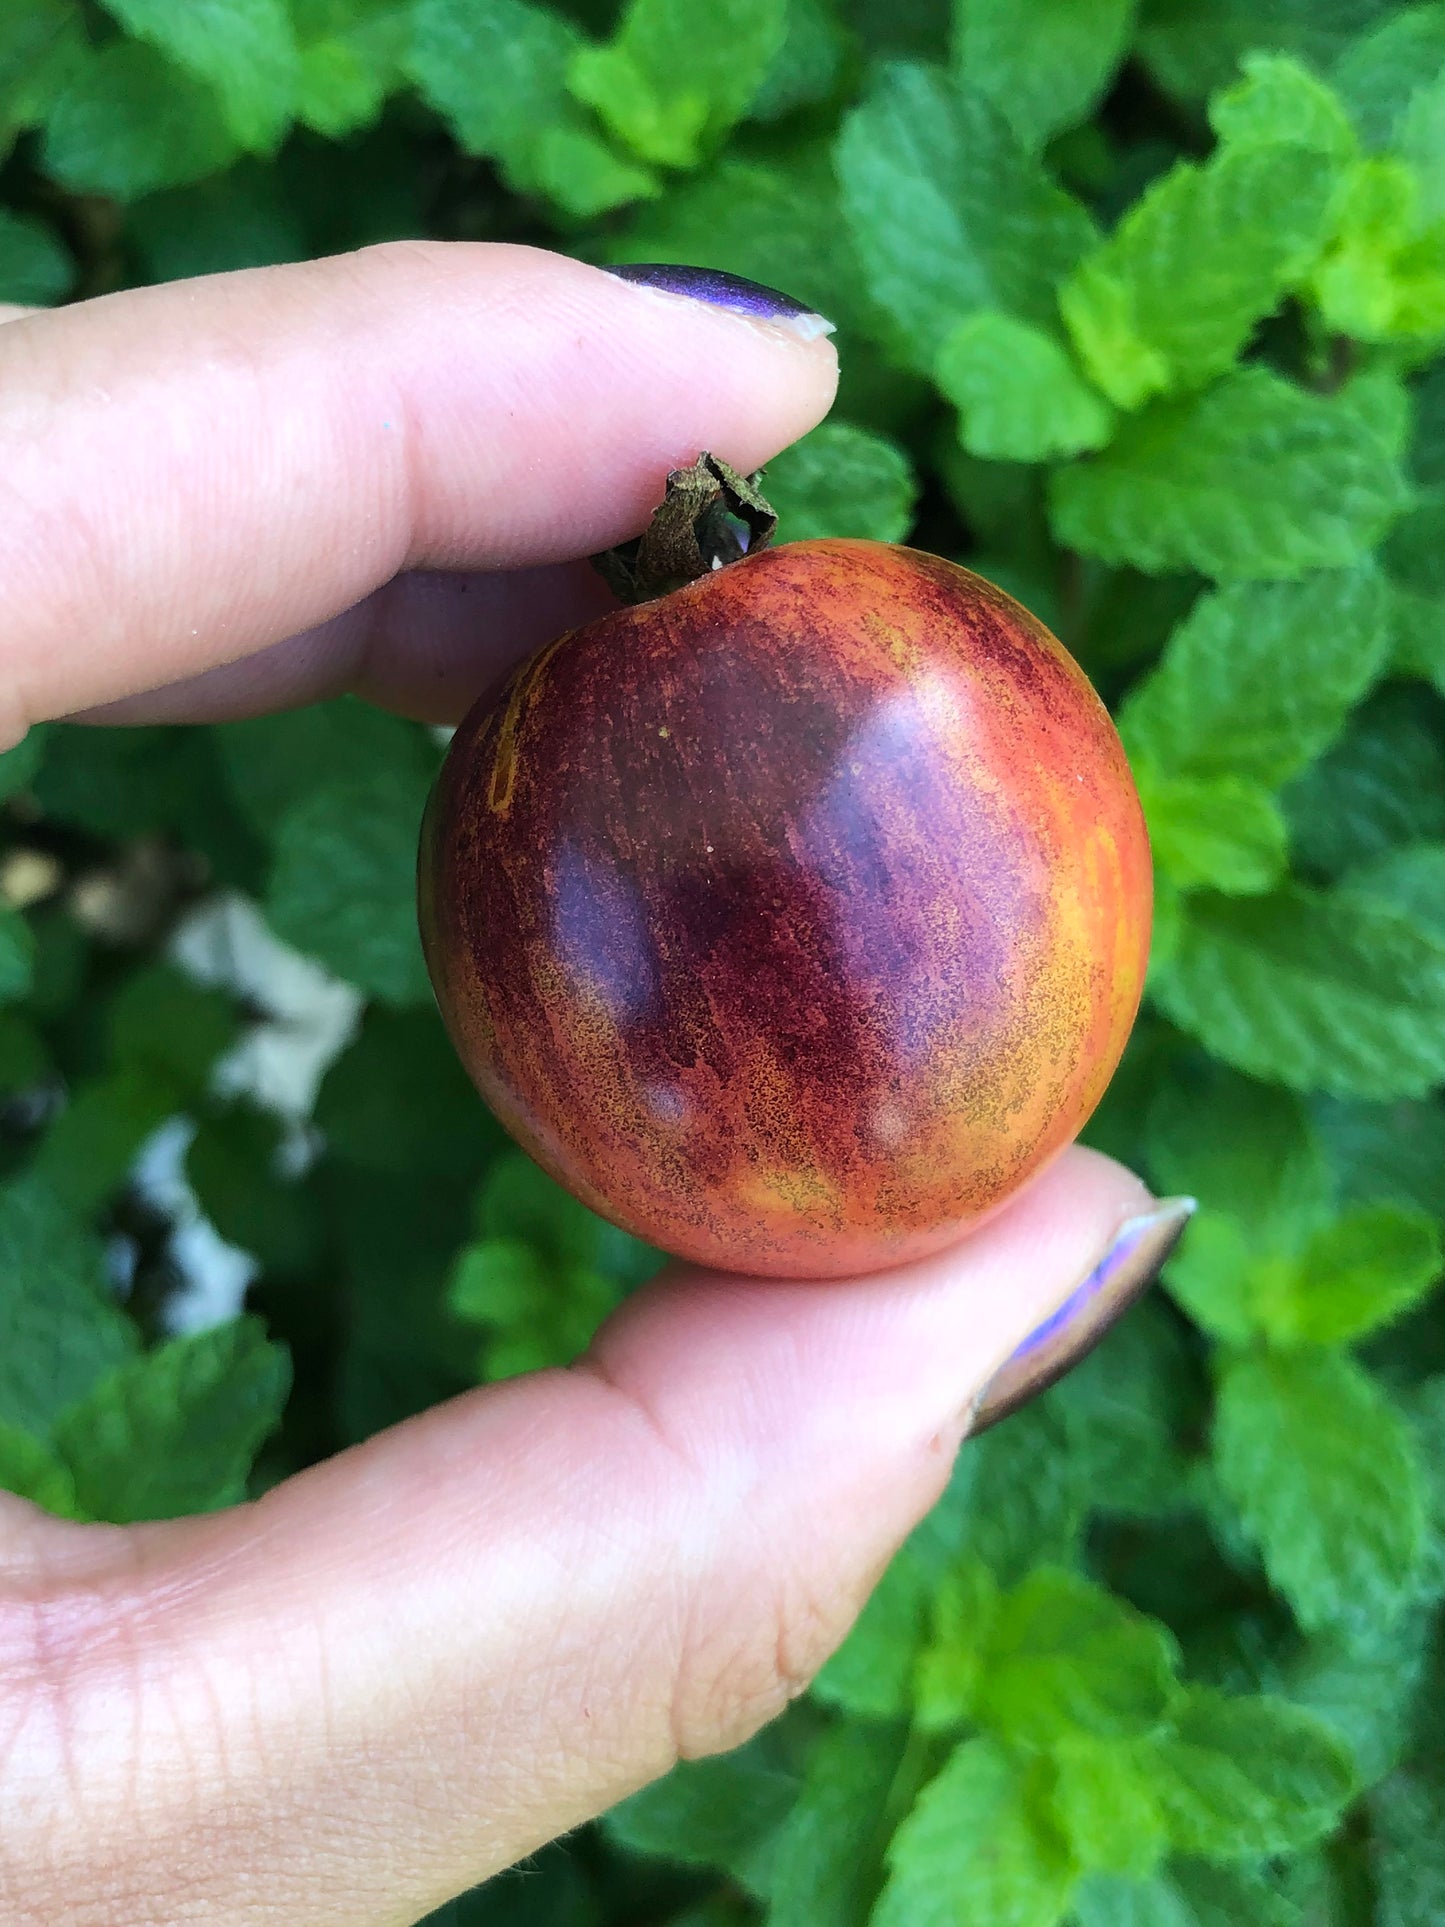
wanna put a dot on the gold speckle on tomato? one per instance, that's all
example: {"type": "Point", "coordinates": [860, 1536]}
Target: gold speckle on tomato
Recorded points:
{"type": "Point", "coordinates": [793, 919]}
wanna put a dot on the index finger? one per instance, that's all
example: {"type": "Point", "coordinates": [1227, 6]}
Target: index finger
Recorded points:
{"type": "Point", "coordinates": [196, 471]}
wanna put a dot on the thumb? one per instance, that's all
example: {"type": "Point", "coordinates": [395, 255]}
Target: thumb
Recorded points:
{"type": "Point", "coordinates": [408, 1667]}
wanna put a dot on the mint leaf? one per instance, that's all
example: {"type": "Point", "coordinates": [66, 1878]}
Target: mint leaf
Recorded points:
{"type": "Point", "coordinates": [1104, 1802]}
{"type": "Point", "coordinates": [1168, 301]}
{"type": "Point", "coordinates": [1046, 65]}
{"type": "Point", "coordinates": [948, 212]}
{"type": "Point", "coordinates": [1065, 1659]}
{"type": "Point", "coordinates": [842, 480]}
{"type": "Point", "coordinates": [245, 49]}
{"type": "Point", "coordinates": [1192, 50]}
{"type": "Point", "coordinates": [1242, 1778]}
{"type": "Point", "coordinates": [951, 1665]}
{"type": "Point", "coordinates": [1334, 993]}
{"type": "Point", "coordinates": [1280, 100]}
{"type": "Point", "coordinates": [274, 763]}
{"type": "Point", "coordinates": [175, 1431]}
{"type": "Point", "coordinates": [872, 1673]}
{"type": "Point", "coordinates": [1231, 1896]}
{"type": "Point", "coordinates": [18, 766]}
{"type": "Point", "coordinates": [827, 1856]}
{"type": "Point", "coordinates": [1253, 479]}
{"type": "Point", "coordinates": [535, 1313]}
{"type": "Point", "coordinates": [1327, 1482]}
{"type": "Point", "coordinates": [32, 1471]}
{"type": "Point", "coordinates": [496, 70]}
{"type": "Point", "coordinates": [234, 1165]}
{"type": "Point", "coordinates": [978, 1846]}
{"type": "Point", "coordinates": [63, 1330]}
{"type": "Point", "coordinates": [1216, 1277]}
{"type": "Point", "coordinates": [127, 122]}
{"type": "Point", "coordinates": [34, 268]}
{"type": "Point", "coordinates": [1110, 1900]}
{"type": "Point", "coordinates": [808, 66]}
{"type": "Point", "coordinates": [351, 54]}
{"type": "Point", "coordinates": [1364, 1686]}
{"type": "Point", "coordinates": [17, 954]}
{"type": "Point", "coordinates": [398, 1101]}
{"type": "Point", "coordinates": [1382, 277]}
{"type": "Point", "coordinates": [1380, 1151]}
{"type": "Point", "coordinates": [1379, 76]}
{"type": "Point", "coordinates": [1260, 678]}
{"type": "Point", "coordinates": [1407, 1858]}
{"type": "Point", "coordinates": [1019, 396]}
{"type": "Point", "coordinates": [1241, 1148]}
{"type": "Point", "coordinates": [670, 88]}
{"type": "Point", "coordinates": [163, 1021]}
{"type": "Point", "coordinates": [343, 888]}
{"type": "Point", "coordinates": [1381, 786]}
{"type": "Point", "coordinates": [720, 1812]}
{"type": "Point", "coordinates": [1360, 1273]}
{"type": "Point", "coordinates": [1214, 832]}
{"type": "Point", "coordinates": [519, 1201]}
{"type": "Point", "coordinates": [86, 1155]}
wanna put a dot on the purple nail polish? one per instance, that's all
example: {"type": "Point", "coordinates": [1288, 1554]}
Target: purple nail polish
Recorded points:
{"type": "Point", "coordinates": [722, 290]}
{"type": "Point", "coordinates": [1131, 1264]}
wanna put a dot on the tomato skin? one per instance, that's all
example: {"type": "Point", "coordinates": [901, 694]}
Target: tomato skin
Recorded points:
{"type": "Point", "coordinates": [792, 921]}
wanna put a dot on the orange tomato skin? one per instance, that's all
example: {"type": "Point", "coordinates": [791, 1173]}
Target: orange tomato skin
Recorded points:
{"type": "Point", "coordinates": [794, 920]}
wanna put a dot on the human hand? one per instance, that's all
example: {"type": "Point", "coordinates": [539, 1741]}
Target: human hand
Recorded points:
{"type": "Point", "coordinates": [411, 1665]}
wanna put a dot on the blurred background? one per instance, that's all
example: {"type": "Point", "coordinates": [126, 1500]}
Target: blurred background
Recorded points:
{"type": "Point", "coordinates": [1140, 310]}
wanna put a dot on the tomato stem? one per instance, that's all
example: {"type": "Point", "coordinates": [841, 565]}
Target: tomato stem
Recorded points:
{"type": "Point", "coordinates": [710, 516]}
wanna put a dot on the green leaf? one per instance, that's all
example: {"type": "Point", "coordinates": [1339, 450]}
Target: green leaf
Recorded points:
{"type": "Point", "coordinates": [175, 1431]}
{"type": "Point", "coordinates": [720, 1812]}
{"type": "Point", "coordinates": [34, 268]}
{"type": "Point", "coordinates": [17, 954]}
{"type": "Point", "coordinates": [1380, 787]}
{"type": "Point", "coordinates": [952, 1662]}
{"type": "Point", "coordinates": [1379, 76]}
{"type": "Point", "coordinates": [519, 1201]}
{"type": "Point", "coordinates": [842, 480]}
{"type": "Point", "coordinates": [1365, 1687]}
{"type": "Point", "coordinates": [1242, 1778]}
{"type": "Point", "coordinates": [979, 1846]}
{"type": "Point", "coordinates": [1253, 479]}
{"type": "Point", "coordinates": [535, 1312]}
{"type": "Point", "coordinates": [62, 1328]}
{"type": "Point", "coordinates": [1407, 1815]}
{"type": "Point", "coordinates": [1327, 1481]}
{"type": "Point", "coordinates": [872, 1673]}
{"type": "Point", "coordinates": [1386, 1151]}
{"type": "Point", "coordinates": [1019, 397]}
{"type": "Point", "coordinates": [1066, 1659]}
{"type": "Point", "coordinates": [1231, 1896]}
{"type": "Point", "coordinates": [1170, 298]}
{"type": "Point", "coordinates": [1192, 50]}
{"type": "Point", "coordinates": [274, 763]}
{"type": "Point", "coordinates": [351, 54]}
{"type": "Point", "coordinates": [1214, 832]}
{"type": "Point", "coordinates": [234, 1166]}
{"type": "Point", "coordinates": [343, 888]}
{"type": "Point", "coordinates": [1360, 1273]}
{"type": "Point", "coordinates": [86, 1155]}
{"type": "Point", "coordinates": [827, 1858]}
{"type": "Point", "coordinates": [1109, 1900]}
{"type": "Point", "coordinates": [1244, 1149]}
{"type": "Point", "coordinates": [670, 87]}
{"type": "Point", "coordinates": [497, 71]}
{"type": "Point", "coordinates": [1259, 678]}
{"type": "Point", "coordinates": [1332, 993]}
{"type": "Point", "coordinates": [1382, 277]}
{"type": "Point", "coordinates": [32, 1471]}
{"type": "Point", "coordinates": [163, 1021]}
{"type": "Point", "coordinates": [1219, 1278]}
{"type": "Point", "coordinates": [245, 49]}
{"type": "Point", "coordinates": [1045, 64]}
{"type": "Point", "coordinates": [1280, 100]}
{"type": "Point", "coordinates": [128, 122]}
{"type": "Point", "coordinates": [398, 1101]}
{"type": "Point", "coordinates": [1106, 1809]}
{"type": "Point", "coordinates": [948, 212]}
{"type": "Point", "coordinates": [18, 766]}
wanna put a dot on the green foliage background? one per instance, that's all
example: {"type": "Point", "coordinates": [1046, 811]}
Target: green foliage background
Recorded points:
{"type": "Point", "coordinates": [1139, 311]}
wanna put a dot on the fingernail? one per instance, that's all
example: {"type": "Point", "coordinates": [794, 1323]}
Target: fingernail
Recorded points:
{"type": "Point", "coordinates": [1134, 1259]}
{"type": "Point", "coordinates": [720, 290]}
